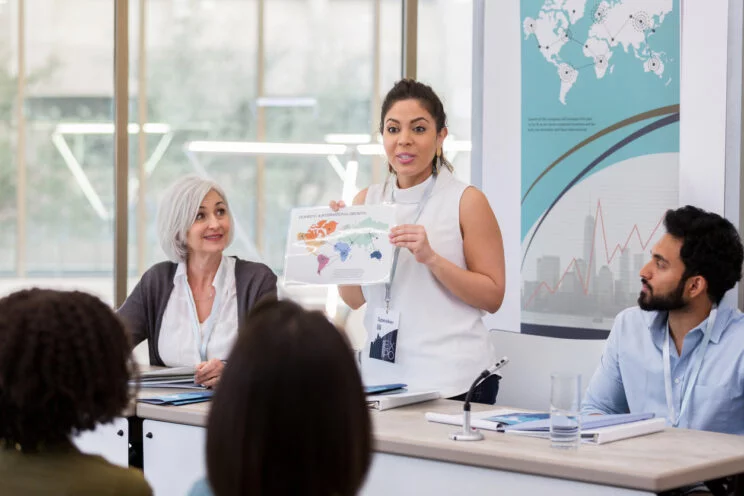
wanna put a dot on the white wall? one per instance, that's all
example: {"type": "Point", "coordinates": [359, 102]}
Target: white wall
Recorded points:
{"type": "Point", "coordinates": [702, 127]}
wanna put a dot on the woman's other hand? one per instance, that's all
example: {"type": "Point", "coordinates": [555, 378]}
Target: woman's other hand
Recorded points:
{"type": "Point", "coordinates": [413, 237]}
{"type": "Point", "coordinates": [208, 373]}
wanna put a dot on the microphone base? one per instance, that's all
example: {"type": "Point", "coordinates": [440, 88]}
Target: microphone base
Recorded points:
{"type": "Point", "coordinates": [472, 435]}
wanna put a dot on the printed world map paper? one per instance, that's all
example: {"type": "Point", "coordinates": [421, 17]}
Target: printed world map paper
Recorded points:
{"type": "Point", "coordinates": [347, 247]}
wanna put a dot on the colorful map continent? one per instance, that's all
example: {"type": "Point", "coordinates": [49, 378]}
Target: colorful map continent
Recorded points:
{"type": "Point", "coordinates": [322, 262]}
{"type": "Point", "coordinates": [313, 237]}
{"type": "Point", "coordinates": [359, 235]}
{"type": "Point", "coordinates": [343, 250]}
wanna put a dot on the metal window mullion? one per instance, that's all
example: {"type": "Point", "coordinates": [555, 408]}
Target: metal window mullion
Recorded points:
{"type": "Point", "coordinates": [377, 170]}
{"type": "Point", "coordinates": [260, 130]}
{"type": "Point", "coordinates": [410, 38]}
{"type": "Point", "coordinates": [21, 179]}
{"type": "Point", "coordinates": [476, 157]}
{"type": "Point", "coordinates": [141, 138]}
{"type": "Point", "coordinates": [121, 143]}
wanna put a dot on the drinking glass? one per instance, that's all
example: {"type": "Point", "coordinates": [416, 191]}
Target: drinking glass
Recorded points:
{"type": "Point", "coordinates": [565, 406]}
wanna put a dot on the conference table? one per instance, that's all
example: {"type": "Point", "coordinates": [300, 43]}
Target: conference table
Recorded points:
{"type": "Point", "coordinates": [414, 456]}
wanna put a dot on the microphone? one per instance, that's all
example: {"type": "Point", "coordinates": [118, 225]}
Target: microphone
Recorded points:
{"type": "Point", "coordinates": [469, 433]}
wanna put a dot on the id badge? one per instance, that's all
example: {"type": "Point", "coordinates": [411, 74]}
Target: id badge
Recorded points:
{"type": "Point", "coordinates": [384, 345]}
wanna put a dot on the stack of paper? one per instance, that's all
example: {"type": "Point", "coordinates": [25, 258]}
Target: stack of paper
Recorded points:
{"type": "Point", "coordinates": [173, 377]}
{"type": "Point", "coordinates": [387, 401]}
{"type": "Point", "coordinates": [477, 419]}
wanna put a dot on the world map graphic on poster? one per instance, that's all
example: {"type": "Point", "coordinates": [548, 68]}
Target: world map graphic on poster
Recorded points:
{"type": "Point", "coordinates": [624, 24]}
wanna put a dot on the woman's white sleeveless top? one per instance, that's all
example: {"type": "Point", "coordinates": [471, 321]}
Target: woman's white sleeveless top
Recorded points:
{"type": "Point", "coordinates": [442, 341]}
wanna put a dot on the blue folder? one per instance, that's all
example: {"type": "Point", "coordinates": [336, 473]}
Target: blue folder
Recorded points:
{"type": "Point", "coordinates": [517, 418]}
{"type": "Point", "coordinates": [178, 399]}
{"type": "Point", "coordinates": [588, 422]}
{"type": "Point", "coordinates": [384, 388]}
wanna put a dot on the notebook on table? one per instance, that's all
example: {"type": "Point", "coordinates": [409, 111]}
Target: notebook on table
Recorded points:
{"type": "Point", "coordinates": [492, 420]}
{"type": "Point", "coordinates": [595, 429]}
{"type": "Point", "coordinates": [598, 429]}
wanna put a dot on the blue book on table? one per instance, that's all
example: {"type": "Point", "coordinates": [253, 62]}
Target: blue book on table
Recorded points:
{"type": "Point", "coordinates": [384, 388]}
{"type": "Point", "coordinates": [178, 399]}
{"type": "Point", "coordinates": [517, 418]}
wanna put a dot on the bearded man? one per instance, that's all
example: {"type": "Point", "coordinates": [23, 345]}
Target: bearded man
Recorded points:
{"type": "Point", "coordinates": [680, 352]}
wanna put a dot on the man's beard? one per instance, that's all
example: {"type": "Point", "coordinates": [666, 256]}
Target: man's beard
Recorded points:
{"type": "Point", "coordinates": [663, 303]}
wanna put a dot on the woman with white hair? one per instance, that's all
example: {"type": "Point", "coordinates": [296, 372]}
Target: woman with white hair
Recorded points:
{"type": "Point", "coordinates": [189, 308]}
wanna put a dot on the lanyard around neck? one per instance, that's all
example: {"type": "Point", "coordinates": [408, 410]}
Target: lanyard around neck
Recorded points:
{"type": "Point", "coordinates": [697, 363]}
{"type": "Point", "coordinates": [424, 199]}
{"type": "Point", "coordinates": [201, 343]}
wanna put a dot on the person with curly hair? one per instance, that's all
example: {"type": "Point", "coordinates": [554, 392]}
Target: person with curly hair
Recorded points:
{"type": "Point", "coordinates": [262, 439]}
{"type": "Point", "coordinates": [680, 352]}
{"type": "Point", "coordinates": [65, 365]}
{"type": "Point", "coordinates": [189, 307]}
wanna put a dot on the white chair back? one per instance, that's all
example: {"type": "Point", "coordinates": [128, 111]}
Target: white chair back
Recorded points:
{"type": "Point", "coordinates": [526, 379]}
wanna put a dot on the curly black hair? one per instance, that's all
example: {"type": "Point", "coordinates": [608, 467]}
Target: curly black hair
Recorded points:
{"type": "Point", "coordinates": [711, 248]}
{"type": "Point", "coordinates": [65, 365]}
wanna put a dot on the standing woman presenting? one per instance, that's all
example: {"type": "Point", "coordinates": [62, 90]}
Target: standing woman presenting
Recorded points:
{"type": "Point", "coordinates": [449, 266]}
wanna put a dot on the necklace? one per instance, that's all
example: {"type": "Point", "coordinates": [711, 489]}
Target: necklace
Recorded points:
{"type": "Point", "coordinates": [204, 298]}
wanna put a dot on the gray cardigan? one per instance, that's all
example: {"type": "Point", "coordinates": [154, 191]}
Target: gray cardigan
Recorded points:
{"type": "Point", "coordinates": [143, 310]}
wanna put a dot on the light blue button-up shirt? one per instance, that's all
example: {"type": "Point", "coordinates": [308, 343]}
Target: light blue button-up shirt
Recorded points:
{"type": "Point", "coordinates": [630, 377]}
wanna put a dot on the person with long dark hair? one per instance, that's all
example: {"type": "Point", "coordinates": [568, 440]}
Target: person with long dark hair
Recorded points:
{"type": "Point", "coordinates": [265, 436]}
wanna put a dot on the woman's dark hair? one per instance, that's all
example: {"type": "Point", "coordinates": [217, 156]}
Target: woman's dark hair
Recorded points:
{"type": "Point", "coordinates": [711, 248]}
{"type": "Point", "coordinates": [289, 416]}
{"type": "Point", "coordinates": [65, 365]}
{"type": "Point", "coordinates": [410, 89]}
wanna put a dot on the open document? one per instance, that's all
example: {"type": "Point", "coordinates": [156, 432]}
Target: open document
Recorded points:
{"type": "Point", "coordinates": [597, 429]}
{"type": "Point", "coordinates": [606, 434]}
{"type": "Point", "coordinates": [350, 246]}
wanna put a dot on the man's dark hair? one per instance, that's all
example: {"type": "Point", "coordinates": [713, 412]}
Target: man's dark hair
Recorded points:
{"type": "Point", "coordinates": [65, 365]}
{"type": "Point", "coordinates": [289, 416]}
{"type": "Point", "coordinates": [711, 248]}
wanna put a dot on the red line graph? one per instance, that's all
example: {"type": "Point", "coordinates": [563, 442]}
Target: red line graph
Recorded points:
{"type": "Point", "coordinates": [598, 218]}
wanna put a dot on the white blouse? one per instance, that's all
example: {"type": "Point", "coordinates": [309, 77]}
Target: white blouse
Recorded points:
{"type": "Point", "coordinates": [177, 342]}
{"type": "Point", "coordinates": [442, 342]}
